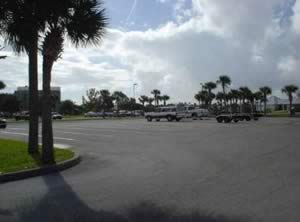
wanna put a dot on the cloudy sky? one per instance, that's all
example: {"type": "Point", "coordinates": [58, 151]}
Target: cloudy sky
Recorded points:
{"type": "Point", "coordinates": [174, 45]}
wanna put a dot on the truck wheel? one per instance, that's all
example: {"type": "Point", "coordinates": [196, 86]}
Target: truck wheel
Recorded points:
{"type": "Point", "coordinates": [247, 118]}
{"type": "Point", "coordinates": [149, 118]}
{"type": "Point", "coordinates": [227, 120]}
{"type": "Point", "coordinates": [157, 120]}
{"type": "Point", "coordinates": [220, 119]}
{"type": "Point", "coordinates": [169, 118]}
{"type": "Point", "coordinates": [236, 120]}
{"type": "Point", "coordinates": [178, 119]}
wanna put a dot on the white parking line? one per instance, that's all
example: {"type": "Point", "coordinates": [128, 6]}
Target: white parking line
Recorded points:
{"type": "Point", "coordinates": [26, 134]}
{"type": "Point", "coordinates": [85, 134]}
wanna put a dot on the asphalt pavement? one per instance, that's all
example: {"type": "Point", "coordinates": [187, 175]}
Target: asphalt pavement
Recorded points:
{"type": "Point", "coordinates": [248, 169]}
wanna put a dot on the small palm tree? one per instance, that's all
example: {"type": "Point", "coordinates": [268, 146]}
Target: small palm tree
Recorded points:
{"type": "Point", "coordinates": [156, 94]}
{"type": "Point", "coordinates": [209, 86]}
{"type": "Point", "coordinates": [266, 90]}
{"type": "Point", "coordinates": [150, 101]}
{"type": "Point", "coordinates": [198, 98]}
{"type": "Point", "coordinates": [165, 98]}
{"type": "Point", "coordinates": [289, 90]}
{"type": "Point", "coordinates": [143, 99]}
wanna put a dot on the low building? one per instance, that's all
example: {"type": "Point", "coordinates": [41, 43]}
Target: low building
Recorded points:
{"type": "Point", "coordinates": [276, 103]}
{"type": "Point", "coordinates": [22, 94]}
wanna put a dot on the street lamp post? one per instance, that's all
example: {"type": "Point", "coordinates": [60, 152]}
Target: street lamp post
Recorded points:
{"type": "Point", "coordinates": [134, 87]}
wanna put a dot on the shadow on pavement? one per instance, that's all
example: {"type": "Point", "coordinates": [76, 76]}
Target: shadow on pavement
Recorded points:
{"type": "Point", "coordinates": [61, 204]}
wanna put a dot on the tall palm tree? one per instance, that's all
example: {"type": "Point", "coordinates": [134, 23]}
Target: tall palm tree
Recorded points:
{"type": "Point", "coordinates": [84, 24]}
{"type": "Point", "coordinates": [156, 94]}
{"type": "Point", "coordinates": [198, 98]}
{"type": "Point", "coordinates": [220, 97]}
{"type": "Point", "coordinates": [21, 22]}
{"type": "Point", "coordinates": [143, 99]}
{"type": "Point", "coordinates": [258, 98]}
{"type": "Point", "coordinates": [225, 81]}
{"type": "Point", "coordinates": [165, 98]}
{"type": "Point", "coordinates": [266, 90]}
{"type": "Point", "coordinates": [289, 90]}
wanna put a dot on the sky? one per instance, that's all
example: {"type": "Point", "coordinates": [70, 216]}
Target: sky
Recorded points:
{"type": "Point", "coordinates": [174, 45]}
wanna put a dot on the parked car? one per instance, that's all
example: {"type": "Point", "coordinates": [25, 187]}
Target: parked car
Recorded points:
{"type": "Point", "coordinates": [24, 115]}
{"type": "Point", "coordinates": [3, 123]}
{"type": "Point", "coordinates": [56, 115]}
{"type": "Point", "coordinates": [197, 113]}
{"type": "Point", "coordinates": [90, 114]}
{"type": "Point", "coordinates": [170, 113]}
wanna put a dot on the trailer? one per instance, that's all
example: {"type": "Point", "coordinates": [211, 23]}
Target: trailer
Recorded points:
{"type": "Point", "coordinates": [236, 117]}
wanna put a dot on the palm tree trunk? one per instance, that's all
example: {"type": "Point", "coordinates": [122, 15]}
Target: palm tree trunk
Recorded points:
{"type": "Point", "coordinates": [165, 102]}
{"type": "Point", "coordinates": [265, 105]}
{"type": "Point", "coordinates": [291, 103]}
{"type": "Point", "coordinates": [47, 131]}
{"type": "Point", "coordinates": [33, 96]}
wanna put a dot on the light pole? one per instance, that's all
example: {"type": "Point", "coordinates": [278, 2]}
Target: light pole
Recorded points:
{"type": "Point", "coordinates": [134, 87]}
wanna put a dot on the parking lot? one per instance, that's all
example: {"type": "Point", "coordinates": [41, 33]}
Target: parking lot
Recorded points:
{"type": "Point", "coordinates": [246, 169]}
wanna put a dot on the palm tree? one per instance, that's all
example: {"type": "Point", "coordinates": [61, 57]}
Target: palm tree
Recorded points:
{"type": "Point", "coordinates": [266, 90]}
{"type": "Point", "coordinates": [150, 101]}
{"type": "Point", "coordinates": [209, 86]}
{"type": "Point", "coordinates": [289, 90]}
{"type": "Point", "coordinates": [156, 94]}
{"type": "Point", "coordinates": [21, 22]}
{"type": "Point", "coordinates": [258, 98]}
{"type": "Point", "coordinates": [2, 85]}
{"type": "Point", "coordinates": [198, 97]}
{"type": "Point", "coordinates": [165, 98]}
{"type": "Point", "coordinates": [143, 99]}
{"type": "Point", "coordinates": [221, 97]}
{"type": "Point", "coordinates": [225, 81]}
{"type": "Point", "coordinates": [119, 97]}
{"type": "Point", "coordinates": [85, 23]}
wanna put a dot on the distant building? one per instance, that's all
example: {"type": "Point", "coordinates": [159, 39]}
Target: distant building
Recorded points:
{"type": "Point", "coordinates": [22, 94]}
{"type": "Point", "coordinates": [276, 103]}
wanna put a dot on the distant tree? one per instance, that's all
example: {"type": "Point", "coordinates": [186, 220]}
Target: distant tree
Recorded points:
{"type": "Point", "coordinates": [2, 57]}
{"type": "Point", "coordinates": [9, 103]}
{"type": "Point", "coordinates": [289, 90]}
{"type": "Point", "coordinates": [119, 97]}
{"type": "Point", "coordinates": [68, 107]}
{"type": "Point", "coordinates": [165, 98]}
{"type": "Point", "coordinates": [266, 90]}
{"type": "Point", "coordinates": [106, 100]}
{"type": "Point", "coordinates": [143, 99]}
{"type": "Point", "coordinates": [2, 85]}
{"type": "Point", "coordinates": [209, 86]}
{"type": "Point", "coordinates": [198, 98]}
{"type": "Point", "coordinates": [156, 94]}
{"type": "Point", "coordinates": [90, 101]}
{"type": "Point", "coordinates": [150, 101]}
{"type": "Point", "coordinates": [221, 97]}
{"type": "Point", "coordinates": [259, 97]}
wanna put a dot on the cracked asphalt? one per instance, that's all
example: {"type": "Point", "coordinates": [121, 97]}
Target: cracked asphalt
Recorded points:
{"type": "Point", "coordinates": [248, 169]}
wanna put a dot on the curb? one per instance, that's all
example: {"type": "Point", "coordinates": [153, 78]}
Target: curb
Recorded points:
{"type": "Point", "coordinates": [41, 171]}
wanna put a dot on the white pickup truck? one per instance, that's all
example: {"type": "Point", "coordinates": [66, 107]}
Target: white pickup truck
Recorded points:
{"type": "Point", "coordinates": [197, 113]}
{"type": "Point", "coordinates": [170, 113]}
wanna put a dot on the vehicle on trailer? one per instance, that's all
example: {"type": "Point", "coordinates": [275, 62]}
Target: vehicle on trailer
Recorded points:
{"type": "Point", "coordinates": [197, 113]}
{"type": "Point", "coordinates": [56, 115]}
{"type": "Point", "coordinates": [169, 113]}
{"type": "Point", "coordinates": [24, 115]}
{"type": "Point", "coordinates": [3, 123]}
{"type": "Point", "coordinates": [235, 117]}
{"type": "Point", "coordinates": [90, 114]}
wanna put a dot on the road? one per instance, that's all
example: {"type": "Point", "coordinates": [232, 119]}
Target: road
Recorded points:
{"type": "Point", "coordinates": [248, 169]}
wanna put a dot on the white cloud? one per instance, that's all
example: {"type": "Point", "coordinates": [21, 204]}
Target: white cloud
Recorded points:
{"type": "Point", "coordinates": [296, 17]}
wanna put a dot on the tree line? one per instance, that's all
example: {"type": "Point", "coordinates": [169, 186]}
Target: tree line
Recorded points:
{"type": "Point", "coordinates": [238, 98]}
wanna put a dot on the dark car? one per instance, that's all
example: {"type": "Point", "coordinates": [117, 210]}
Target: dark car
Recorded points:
{"type": "Point", "coordinates": [22, 116]}
{"type": "Point", "coordinates": [3, 123]}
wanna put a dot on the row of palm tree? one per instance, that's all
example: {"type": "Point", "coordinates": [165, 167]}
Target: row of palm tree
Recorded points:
{"type": "Point", "coordinates": [24, 24]}
{"type": "Point", "coordinates": [156, 98]}
{"type": "Point", "coordinates": [238, 96]}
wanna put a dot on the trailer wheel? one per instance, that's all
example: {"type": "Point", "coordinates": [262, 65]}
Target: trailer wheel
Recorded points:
{"type": "Point", "coordinates": [157, 120]}
{"type": "Point", "coordinates": [235, 120]}
{"type": "Point", "coordinates": [220, 119]}
{"type": "Point", "coordinates": [227, 120]}
{"type": "Point", "coordinates": [247, 118]}
{"type": "Point", "coordinates": [178, 119]}
{"type": "Point", "coordinates": [149, 118]}
{"type": "Point", "coordinates": [194, 116]}
{"type": "Point", "coordinates": [169, 118]}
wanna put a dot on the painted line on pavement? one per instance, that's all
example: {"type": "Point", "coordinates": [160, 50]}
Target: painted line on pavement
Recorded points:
{"type": "Point", "coordinates": [26, 134]}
